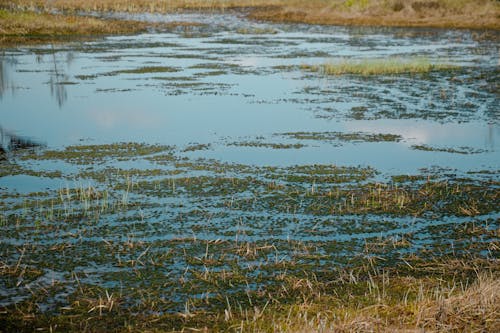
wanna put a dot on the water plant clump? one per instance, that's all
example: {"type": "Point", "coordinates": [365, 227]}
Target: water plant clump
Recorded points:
{"type": "Point", "coordinates": [84, 154]}
{"type": "Point", "coordinates": [459, 150]}
{"type": "Point", "coordinates": [259, 144]}
{"type": "Point", "coordinates": [343, 136]}
{"type": "Point", "coordinates": [387, 66]}
{"type": "Point", "coordinates": [144, 70]}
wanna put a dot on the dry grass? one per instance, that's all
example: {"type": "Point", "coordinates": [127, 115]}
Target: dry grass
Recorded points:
{"type": "Point", "coordinates": [424, 13]}
{"type": "Point", "coordinates": [436, 307]}
{"type": "Point", "coordinates": [145, 5]}
{"type": "Point", "coordinates": [377, 66]}
{"type": "Point", "coordinates": [416, 13]}
{"type": "Point", "coordinates": [25, 26]}
{"type": "Point", "coordinates": [29, 23]}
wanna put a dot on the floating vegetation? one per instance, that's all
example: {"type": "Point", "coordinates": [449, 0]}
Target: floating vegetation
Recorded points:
{"type": "Point", "coordinates": [457, 150]}
{"type": "Point", "coordinates": [203, 243]}
{"type": "Point", "coordinates": [88, 154]}
{"type": "Point", "coordinates": [196, 147]}
{"type": "Point", "coordinates": [256, 31]}
{"type": "Point", "coordinates": [144, 70]}
{"type": "Point", "coordinates": [343, 136]}
{"type": "Point", "coordinates": [259, 144]}
{"type": "Point", "coordinates": [377, 66]}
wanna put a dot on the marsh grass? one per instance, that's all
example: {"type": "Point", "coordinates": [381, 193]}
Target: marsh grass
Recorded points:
{"type": "Point", "coordinates": [377, 66]}
{"type": "Point", "coordinates": [212, 275]}
{"type": "Point", "coordinates": [23, 23]}
{"type": "Point", "coordinates": [458, 150]}
{"type": "Point", "coordinates": [424, 305]}
{"type": "Point", "coordinates": [435, 13]}
{"type": "Point", "coordinates": [417, 13]}
{"type": "Point", "coordinates": [44, 27]}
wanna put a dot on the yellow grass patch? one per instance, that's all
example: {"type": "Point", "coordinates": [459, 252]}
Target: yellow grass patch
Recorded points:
{"type": "Point", "coordinates": [377, 66]}
{"type": "Point", "coordinates": [429, 13]}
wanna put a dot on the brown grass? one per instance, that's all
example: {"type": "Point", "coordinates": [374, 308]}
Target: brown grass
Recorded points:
{"type": "Point", "coordinates": [29, 23]}
{"type": "Point", "coordinates": [145, 5]}
{"type": "Point", "coordinates": [424, 13]}
{"type": "Point", "coordinates": [420, 13]}
{"type": "Point", "coordinates": [22, 26]}
{"type": "Point", "coordinates": [435, 308]}
{"type": "Point", "coordinates": [410, 13]}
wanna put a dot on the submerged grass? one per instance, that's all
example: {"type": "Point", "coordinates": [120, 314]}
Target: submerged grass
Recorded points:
{"type": "Point", "coordinates": [377, 66]}
{"type": "Point", "coordinates": [209, 246]}
{"type": "Point", "coordinates": [341, 136]}
{"type": "Point", "coordinates": [459, 150]}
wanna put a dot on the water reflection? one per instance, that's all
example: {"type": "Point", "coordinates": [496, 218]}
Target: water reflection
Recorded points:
{"type": "Point", "coordinates": [5, 80]}
{"type": "Point", "coordinates": [10, 142]}
{"type": "Point", "coordinates": [164, 88]}
{"type": "Point", "coordinates": [57, 75]}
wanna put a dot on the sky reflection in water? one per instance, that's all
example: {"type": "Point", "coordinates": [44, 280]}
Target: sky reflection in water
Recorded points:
{"type": "Point", "coordinates": [223, 86]}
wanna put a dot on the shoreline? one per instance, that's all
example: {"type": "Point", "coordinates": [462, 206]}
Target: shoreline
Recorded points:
{"type": "Point", "coordinates": [34, 21]}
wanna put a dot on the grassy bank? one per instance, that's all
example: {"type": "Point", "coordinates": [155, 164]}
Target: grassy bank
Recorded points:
{"type": "Point", "coordinates": [31, 27]}
{"type": "Point", "coordinates": [32, 20]}
{"type": "Point", "coordinates": [422, 13]}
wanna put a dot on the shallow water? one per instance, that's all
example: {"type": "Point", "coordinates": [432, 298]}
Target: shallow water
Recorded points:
{"type": "Point", "coordinates": [230, 81]}
{"type": "Point", "coordinates": [240, 148]}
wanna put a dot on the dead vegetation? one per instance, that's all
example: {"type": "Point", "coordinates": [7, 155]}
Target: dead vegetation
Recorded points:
{"type": "Point", "coordinates": [454, 308]}
{"type": "Point", "coordinates": [428, 13]}
{"type": "Point", "coordinates": [29, 26]}
{"type": "Point", "coordinates": [410, 13]}
{"type": "Point", "coordinates": [34, 20]}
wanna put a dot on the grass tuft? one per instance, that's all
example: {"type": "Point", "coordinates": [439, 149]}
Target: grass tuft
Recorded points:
{"type": "Point", "coordinates": [377, 66]}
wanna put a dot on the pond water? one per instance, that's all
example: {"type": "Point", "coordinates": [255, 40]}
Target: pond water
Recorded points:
{"type": "Point", "coordinates": [236, 80]}
{"type": "Point", "coordinates": [205, 149]}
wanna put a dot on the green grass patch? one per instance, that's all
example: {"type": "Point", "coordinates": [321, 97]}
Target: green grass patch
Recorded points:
{"type": "Point", "coordinates": [377, 66]}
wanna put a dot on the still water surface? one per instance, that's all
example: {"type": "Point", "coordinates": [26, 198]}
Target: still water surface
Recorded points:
{"type": "Point", "coordinates": [233, 80]}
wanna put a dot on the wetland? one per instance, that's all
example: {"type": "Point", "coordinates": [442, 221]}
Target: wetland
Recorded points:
{"type": "Point", "coordinates": [218, 173]}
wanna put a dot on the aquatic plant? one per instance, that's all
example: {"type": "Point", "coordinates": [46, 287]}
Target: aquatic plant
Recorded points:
{"type": "Point", "coordinates": [384, 66]}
